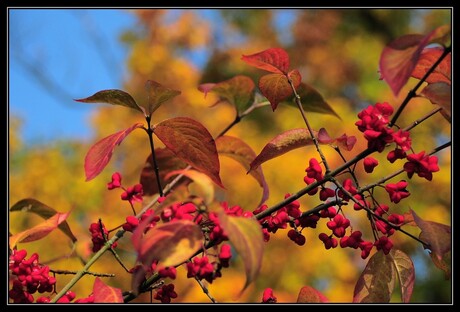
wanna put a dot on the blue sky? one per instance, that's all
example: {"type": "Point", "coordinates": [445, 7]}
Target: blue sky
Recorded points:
{"type": "Point", "coordinates": [79, 53]}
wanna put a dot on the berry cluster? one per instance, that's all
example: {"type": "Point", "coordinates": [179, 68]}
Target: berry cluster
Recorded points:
{"type": "Point", "coordinates": [99, 235]}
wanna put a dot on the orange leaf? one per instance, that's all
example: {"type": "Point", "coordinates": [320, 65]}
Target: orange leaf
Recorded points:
{"type": "Point", "coordinates": [442, 72]}
{"type": "Point", "coordinates": [308, 294]}
{"type": "Point", "coordinates": [190, 141]}
{"type": "Point", "coordinates": [439, 93]}
{"type": "Point", "coordinates": [276, 87]}
{"type": "Point", "coordinates": [274, 60]}
{"type": "Point", "coordinates": [106, 294]}
{"type": "Point", "coordinates": [199, 178]}
{"type": "Point", "coordinates": [100, 153]}
{"type": "Point", "coordinates": [39, 231]}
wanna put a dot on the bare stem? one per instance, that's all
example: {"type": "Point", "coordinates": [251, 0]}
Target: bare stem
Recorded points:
{"type": "Point", "coordinates": [206, 291]}
{"type": "Point", "coordinates": [67, 272]}
{"type": "Point", "coordinates": [155, 164]}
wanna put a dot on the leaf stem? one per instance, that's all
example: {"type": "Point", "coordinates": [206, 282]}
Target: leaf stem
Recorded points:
{"type": "Point", "coordinates": [155, 164]}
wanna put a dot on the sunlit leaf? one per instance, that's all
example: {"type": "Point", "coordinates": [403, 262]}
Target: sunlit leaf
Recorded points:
{"type": "Point", "coordinates": [276, 87]}
{"type": "Point", "coordinates": [282, 144]}
{"type": "Point", "coordinates": [312, 100]}
{"type": "Point", "coordinates": [246, 236]}
{"type": "Point", "coordinates": [114, 97]}
{"type": "Point", "coordinates": [44, 211]}
{"type": "Point", "coordinates": [169, 243]}
{"type": "Point", "coordinates": [274, 60]}
{"type": "Point", "coordinates": [100, 153]}
{"type": "Point", "coordinates": [399, 58]}
{"type": "Point", "coordinates": [308, 294]}
{"type": "Point", "coordinates": [190, 141]}
{"type": "Point", "coordinates": [238, 91]}
{"type": "Point", "coordinates": [442, 72]}
{"type": "Point", "coordinates": [377, 281]}
{"type": "Point", "coordinates": [437, 235]}
{"type": "Point", "coordinates": [439, 93]}
{"type": "Point", "coordinates": [405, 272]}
{"type": "Point", "coordinates": [204, 182]}
{"type": "Point", "coordinates": [241, 152]}
{"type": "Point", "coordinates": [167, 162]}
{"type": "Point", "coordinates": [39, 231]}
{"type": "Point", "coordinates": [156, 95]}
{"type": "Point", "coordinates": [106, 294]}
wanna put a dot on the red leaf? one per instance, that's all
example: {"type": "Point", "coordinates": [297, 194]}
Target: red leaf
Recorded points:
{"type": "Point", "coordinates": [167, 162]}
{"type": "Point", "coordinates": [44, 211]}
{"type": "Point", "coordinates": [308, 294]}
{"type": "Point", "coordinates": [274, 60]}
{"type": "Point", "coordinates": [237, 149]}
{"type": "Point", "coordinates": [238, 91]}
{"type": "Point", "coordinates": [276, 87]}
{"type": "Point", "coordinates": [39, 231]}
{"type": "Point", "coordinates": [190, 141]}
{"type": "Point", "coordinates": [377, 281]}
{"type": "Point", "coordinates": [171, 243]}
{"type": "Point", "coordinates": [399, 58]}
{"type": "Point", "coordinates": [245, 234]}
{"type": "Point", "coordinates": [442, 72]}
{"type": "Point", "coordinates": [439, 93]}
{"type": "Point", "coordinates": [114, 97]}
{"type": "Point", "coordinates": [100, 153]}
{"type": "Point", "coordinates": [282, 144]}
{"type": "Point", "coordinates": [106, 294]}
{"type": "Point", "coordinates": [312, 100]}
{"type": "Point", "coordinates": [157, 94]}
{"type": "Point", "coordinates": [437, 235]}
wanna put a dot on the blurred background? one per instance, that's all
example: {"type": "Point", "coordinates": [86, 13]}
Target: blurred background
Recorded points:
{"type": "Point", "coordinates": [57, 55]}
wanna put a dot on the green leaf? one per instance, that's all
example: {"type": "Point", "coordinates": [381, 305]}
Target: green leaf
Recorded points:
{"type": "Point", "coordinates": [39, 231]}
{"type": "Point", "coordinates": [405, 272]}
{"type": "Point", "coordinates": [156, 95]}
{"type": "Point", "coordinates": [246, 236]}
{"type": "Point", "coordinates": [377, 281]}
{"type": "Point", "coordinates": [238, 150]}
{"type": "Point", "coordinates": [276, 87]}
{"type": "Point", "coordinates": [202, 180]}
{"type": "Point", "coordinates": [308, 294]}
{"type": "Point", "coordinates": [44, 211]}
{"type": "Point", "coordinates": [437, 235]}
{"type": "Point", "coordinates": [169, 243]}
{"type": "Point", "coordinates": [282, 144]}
{"type": "Point", "coordinates": [190, 141]}
{"type": "Point", "coordinates": [275, 60]}
{"type": "Point", "coordinates": [114, 97]}
{"type": "Point", "coordinates": [238, 91]}
{"type": "Point", "coordinates": [106, 294]}
{"type": "Point", "coordinates": [312, 101]}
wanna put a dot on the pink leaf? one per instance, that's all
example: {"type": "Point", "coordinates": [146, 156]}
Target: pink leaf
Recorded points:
{"type": "Point", "coordinates": [282, 144]}
{"type": "Point", "coordinates": [323, 137]}
{"type": "Point", "coordinates": [190, 141]}
{"type": "Point", "coordinates": [308, 294]}
{"type": "Point", "coordinates": [274, 60]}
{"type": "Point", "coordinates": [106, 294]}
{"type": "Point", "coordinates": [346, 142]}
{"type": "Point", "coordinates": [100, 153]}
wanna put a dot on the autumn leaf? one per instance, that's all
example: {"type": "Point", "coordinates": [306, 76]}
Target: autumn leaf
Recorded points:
{"type": "Point", "coordinates": [238, 150]}
{"type": "Point", "coordinates": [439, 93]}
{"type": "Point", "coordinates": [114, 97]}
{"type": "Point", "coordinates": [399, 58]}
{"type": "Point", "coordinates": [190, 141]}
{"type": "Point", "coordinates": [167, 162]}
{"type": "Point", "coordinates": [444, 264]}
{"type": "Point", "coordinates": [246, 236]}
{"type": "Point", "coordinates": [312, 100]}
{"type": "Point", "coordinates": [106, 294]}
{"type": "Point", "coordinates": [156, 95]}
{"type": "Point", "coordinates": [405, 272]}
{"type": "Point", "coordinates": [442, 72]}
{"type": "Point", "coordinates": [276, 87]}
{"type": "Point", "coordinates": [282, 144]}
{"type": "Point", "coordinates": [377, 281]}
{"type": "Point", "coordinates": [238, 91]}
{"type": "Point", "coordinates": [39, 231]}
{"type": "Point", "coordinates": [275, 60]}
{"type": "Point", "coordinates": [437, 235]}
{"type": "Point", "coordinates": [170, 243]}
{"type": "Point", "coordinates": [44, 211]}
{"type": "Point", "coordinates": [100, 153]}
{"type": "Point", "coordinates": [308, 294]}
{"type": "Point", "coordinates": [202, 180]}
